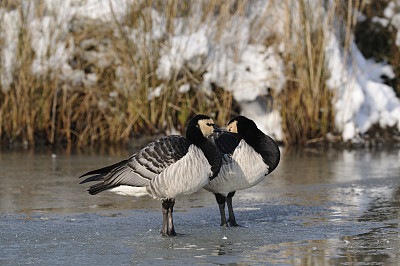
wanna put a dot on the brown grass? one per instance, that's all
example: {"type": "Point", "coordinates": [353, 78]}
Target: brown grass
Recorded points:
{"type": "Point", "coordinates": [119, 106]}
{"type": "Point", "coordinates": [306, 102]}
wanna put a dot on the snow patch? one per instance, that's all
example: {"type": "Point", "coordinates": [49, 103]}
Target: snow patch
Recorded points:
{"type": "Point", "coordinates": [180, 49]}
{"type": "Point", "coordinates": [362, 99]}
{"type": "Point", "coordinates": [10, 24]}
{"type": "Point", "coordinates": [394, 18]}
{"type": "Point", "coordinates": [184, 88]}
{"type": "Point", "coordinates": [154, 93]}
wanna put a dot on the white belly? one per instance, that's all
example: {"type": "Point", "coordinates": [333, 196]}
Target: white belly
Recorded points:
{"type": "Point", "coordinates": [130, 191]}
{"type": "Point", "coordinates": [246, 169]}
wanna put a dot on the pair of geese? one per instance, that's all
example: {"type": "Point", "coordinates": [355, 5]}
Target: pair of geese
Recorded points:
{"type": "Point", "coordinates": [221, 161]}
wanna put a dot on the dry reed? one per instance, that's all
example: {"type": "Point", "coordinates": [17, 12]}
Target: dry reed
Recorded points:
{"type": "Point", "coordinates": [60, 112]}
{"type": "Point", "coordinates": [306, 102]}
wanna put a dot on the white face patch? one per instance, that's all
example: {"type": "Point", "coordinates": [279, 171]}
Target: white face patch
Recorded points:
{"type": "Point", "coordinates": [206, 126]}
{"type": "Point", "coordinates": [232, 127]}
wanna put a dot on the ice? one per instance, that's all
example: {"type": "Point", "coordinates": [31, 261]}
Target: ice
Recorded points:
{"type": "Point", "coordinates": [341, 195]}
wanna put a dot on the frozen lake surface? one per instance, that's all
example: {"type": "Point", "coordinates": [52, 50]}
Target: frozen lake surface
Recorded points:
{"type": "Point", "coordinates": [318, 207]}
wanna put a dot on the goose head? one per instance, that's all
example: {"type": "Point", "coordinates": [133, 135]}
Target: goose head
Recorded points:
{"type": "Point", "coordinates": [243, 126]}
{"type": "Point", "coordinates": [262, 143]}
{"type": "Point", "coordinates": [199, 127]}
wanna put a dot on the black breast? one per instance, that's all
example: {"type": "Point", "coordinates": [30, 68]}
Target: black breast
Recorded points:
{"type": "Point", "coordinates": [267, 148]}
{"type": "Point", "coordinates": [226, 142]}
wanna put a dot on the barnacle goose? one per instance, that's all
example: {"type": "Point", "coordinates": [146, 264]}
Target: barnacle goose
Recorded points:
{"type": "Point", "coordinates": [253, 155]}
{"type": "Point", "coordinates": [164, 169]}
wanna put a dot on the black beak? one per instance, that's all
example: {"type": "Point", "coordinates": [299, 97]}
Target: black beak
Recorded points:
{"type": "Point", "coordinates": [217, 129]}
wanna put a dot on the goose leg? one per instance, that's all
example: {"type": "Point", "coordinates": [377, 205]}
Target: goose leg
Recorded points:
{"type": "Point", "coordinates": [171, 230]}
{"type": "Point", "coordinates": [165, 218]}
{"type": "Point", "coordinates": [231, 220]}
{"type": "Point", "coordinates": [221, 199]}
{"type": "Point", "coordinates": [168, 224]}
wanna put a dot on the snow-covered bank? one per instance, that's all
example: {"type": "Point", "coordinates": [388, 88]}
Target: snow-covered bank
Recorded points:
{"type": "Point", "coordinates": [363, 100]}
{"type": "Point", "coordinates": [244, 55]}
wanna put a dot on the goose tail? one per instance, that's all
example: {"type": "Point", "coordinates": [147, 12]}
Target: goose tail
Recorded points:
{"type": "Point", "coordinates": [99, 174]}
{"type": "Point", "coordinates": [97, 188]}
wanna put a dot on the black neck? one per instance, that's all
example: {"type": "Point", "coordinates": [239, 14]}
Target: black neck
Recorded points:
{"type": "Point", "coordinates": [265, 146]}
{"type": "Point", "coordinates": [214, 158]}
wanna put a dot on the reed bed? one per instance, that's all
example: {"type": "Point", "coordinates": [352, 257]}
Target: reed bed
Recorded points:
{"type": "Point", "coordinates": [121, 102]}
{"type": "Point", "coordinates": [306, 103]}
